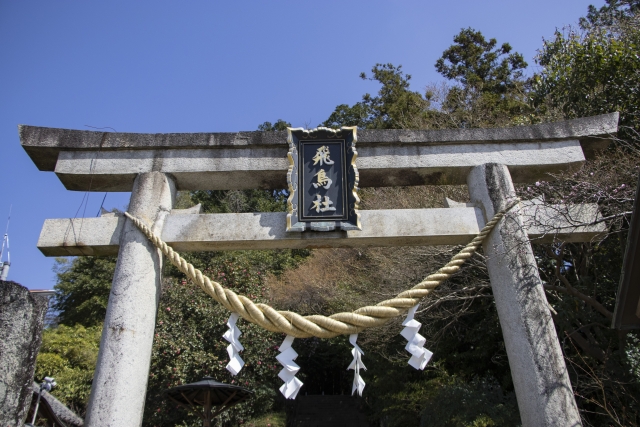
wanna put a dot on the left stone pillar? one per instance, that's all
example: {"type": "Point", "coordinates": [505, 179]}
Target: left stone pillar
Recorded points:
{"type": "Point", "coordinates": [21, 322]}
{"type": "Point", "coordinates": [122, 371]}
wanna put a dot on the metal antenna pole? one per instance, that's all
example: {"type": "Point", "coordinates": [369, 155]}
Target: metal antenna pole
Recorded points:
{"type": "Point", "coordinates": [47, 384]}
{"type": "Point", "coordinates": [6, 233]}
{"type": "Point", "coordinates": [35, 410]}
{"type": "Point", "coordinates": [4, 266]}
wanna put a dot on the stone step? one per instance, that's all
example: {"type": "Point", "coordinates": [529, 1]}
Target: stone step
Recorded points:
{"type": "Point", "coordinates": [335, 411]}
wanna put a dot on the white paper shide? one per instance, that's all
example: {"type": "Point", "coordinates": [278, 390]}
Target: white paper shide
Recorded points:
{"type": "Point", "coordinates": [232, 335]}
{"type": "Point", "coordinates": [287, 355]}
{"type": "Point", "coordinates": [356, 365]}
{"type": "Point", "coordinates": [419, 355]}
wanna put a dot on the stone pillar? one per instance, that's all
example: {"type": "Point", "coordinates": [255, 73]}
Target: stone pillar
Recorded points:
{"type": "Point", "coordinates": [542, 386]}
{"type": "Point", "coordinates": [122, 371]}
{"type": "Point", "coordinates": [21, 323]}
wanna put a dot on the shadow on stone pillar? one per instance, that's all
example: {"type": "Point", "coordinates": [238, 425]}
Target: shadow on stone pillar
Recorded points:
{"type": "Point", "coordinates": [21, 323]}
{"type": "Point", "coordinates": [540, 378]}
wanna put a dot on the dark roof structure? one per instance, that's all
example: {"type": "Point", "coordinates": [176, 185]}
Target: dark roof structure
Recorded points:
{"type": "Point", "coordinates": [208, 393]}
{"type": "Point", "coordinates": [627, 312]}
{"type": "Point", "coordinates": [197, 393]}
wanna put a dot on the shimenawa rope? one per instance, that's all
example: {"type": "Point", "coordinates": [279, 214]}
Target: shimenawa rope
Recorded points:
{"type": "Point", "coordinates": [299, 326]}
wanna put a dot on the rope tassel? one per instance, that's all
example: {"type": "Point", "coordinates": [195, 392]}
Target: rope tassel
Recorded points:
{"type": "Point", "coordinates": [356, 365]}
{"type": "Point", "coordinates": [232, 335]}
{"type": "Point", "coordinates": [419, 355]}
{"type": "Point", "coordinates": [287, 355]}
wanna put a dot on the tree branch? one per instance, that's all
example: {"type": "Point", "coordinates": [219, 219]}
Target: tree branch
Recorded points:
{"type": "Point", "coordinates": [574, 292]}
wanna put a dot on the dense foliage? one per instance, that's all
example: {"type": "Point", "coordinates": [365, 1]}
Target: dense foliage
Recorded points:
{"type": "Point", "coordinates": [593, 70]}
{"type": "Point", "coordinates": [69, 354]}
{"type": "Point", "coordinates": [188, 344]}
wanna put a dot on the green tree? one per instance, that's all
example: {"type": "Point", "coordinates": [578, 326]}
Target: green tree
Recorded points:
{"type": "Point", "coordinates": [344, 115]}
{"type": "Point", "coordinates": [82, 289]}
{"type": "Point", "coordinates": [485, 404]}
{"type": "Point", "coordinates": [395, 106]}
{"type": "Point", "coordinates": [587, 71]}
{"type": "Point", "coordinates": [489, 86]}
{"type": "Point", "coordinates": [240, 201]}
{"type": "Point", "coordinates": [581, 281]}
{"type": "Point", "coordinates": [474, 61]}
{"type": "Point", "coordinates": [488, 90]}
{"type": "Point", "coordinates": [188, 343]}
{"type": "Point", "coordinates": [278, 125]}
{"type": "Point", "coordinates": [611, 14]}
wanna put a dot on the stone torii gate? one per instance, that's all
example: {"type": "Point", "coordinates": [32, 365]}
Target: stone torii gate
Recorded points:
{"type": "Point", "coordinates": [154, 166]}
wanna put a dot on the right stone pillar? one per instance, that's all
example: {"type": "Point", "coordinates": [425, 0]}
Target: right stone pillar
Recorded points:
{"type": "Point", "coordinates": [541, 382]}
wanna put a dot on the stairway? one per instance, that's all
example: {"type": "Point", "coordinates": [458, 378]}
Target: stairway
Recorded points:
{"type": "Point", "coordinates": [324, 411]}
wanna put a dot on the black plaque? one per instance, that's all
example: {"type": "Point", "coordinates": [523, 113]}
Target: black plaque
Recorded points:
{"type": "Point", "coordinates": [323, 180]}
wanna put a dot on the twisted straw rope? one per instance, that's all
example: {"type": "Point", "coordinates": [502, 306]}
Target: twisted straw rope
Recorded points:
{"type": "Point", "coordinates": [299, 326]}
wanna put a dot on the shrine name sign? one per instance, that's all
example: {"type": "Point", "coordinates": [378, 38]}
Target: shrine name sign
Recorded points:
{"type": "Point", "coordinates": [322, 180]}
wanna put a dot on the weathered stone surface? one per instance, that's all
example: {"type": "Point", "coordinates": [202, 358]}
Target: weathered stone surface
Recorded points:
{"type": "Point", "coordinates": [265, 167]}
{"type": "Point", "coordinates": [21, 323]}
{"type": "Point", "coordinates": [43, 144]}
{"type": "Point", "coordinates": [104, 161]}
{"type": "Point", "coordinates": [398, 227]}
{"type": "Point", "coordinates": [120, 380]}
{"type": "Point", "coordinates": [194, 210]}
{"type": "Point", "coordinates": [81, 236]}
{"type": "Point", "coordinates": [542, 386]}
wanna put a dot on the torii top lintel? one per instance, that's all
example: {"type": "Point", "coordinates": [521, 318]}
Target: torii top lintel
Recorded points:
{"type": "Point", "coordinates": [109, 161]}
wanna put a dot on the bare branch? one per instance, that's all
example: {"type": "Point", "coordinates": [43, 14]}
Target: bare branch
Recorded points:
{"type": "Point", "coordinates": [570, 290]}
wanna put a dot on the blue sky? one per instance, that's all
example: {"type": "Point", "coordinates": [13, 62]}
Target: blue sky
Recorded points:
{"type": "Point", "coordinates": [209, 66]}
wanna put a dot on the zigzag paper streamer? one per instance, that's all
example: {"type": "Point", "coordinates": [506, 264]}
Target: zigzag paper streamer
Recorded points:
{"type": "Point", "coordinates": [419, 355]}
{"type": "Point", "coordinates": [287, 355]}
{"type": "Point", "coordinates": [232, 335]}
{"type": "Point", "coordinates": [356, 365]}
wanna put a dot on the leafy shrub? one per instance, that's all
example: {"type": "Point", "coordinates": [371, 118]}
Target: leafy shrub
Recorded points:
{"type": "Point", "coordinates": [69, 354]}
